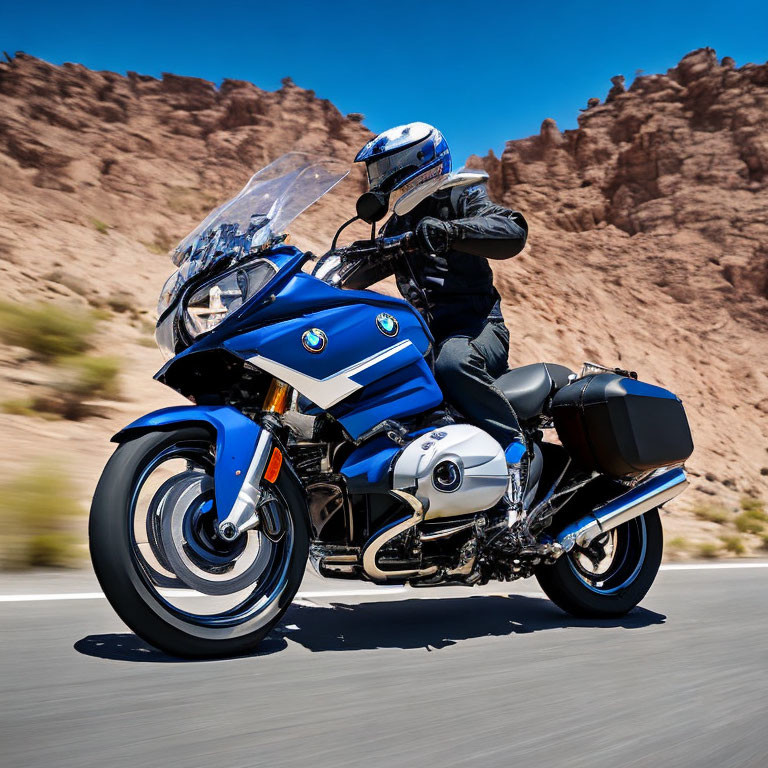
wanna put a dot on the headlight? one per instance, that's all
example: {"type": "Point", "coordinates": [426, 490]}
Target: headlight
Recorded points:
{"type": "Point", "coordinates": [213, 302]}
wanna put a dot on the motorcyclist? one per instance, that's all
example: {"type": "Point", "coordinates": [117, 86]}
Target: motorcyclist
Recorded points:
{"type": "Point", "coordinates": [457, 228]}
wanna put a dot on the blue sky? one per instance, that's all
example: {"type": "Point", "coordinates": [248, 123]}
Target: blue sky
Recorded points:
{"type": "Point", "coordinates": [483, 72]}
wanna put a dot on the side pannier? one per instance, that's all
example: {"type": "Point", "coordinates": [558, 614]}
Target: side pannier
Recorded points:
{"type": "Point", "coordinates": [620, 426]}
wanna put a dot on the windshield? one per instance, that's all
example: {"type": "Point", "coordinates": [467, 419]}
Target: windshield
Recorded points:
{"type": "Point", "coordinates": [254, 218]}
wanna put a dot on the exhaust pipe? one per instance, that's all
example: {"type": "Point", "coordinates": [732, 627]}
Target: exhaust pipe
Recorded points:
{"type": "Point", "coordinates": [648, 494]}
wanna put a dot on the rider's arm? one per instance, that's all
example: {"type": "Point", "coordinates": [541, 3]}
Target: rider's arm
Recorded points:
{"type": "Point", "coordinates": [367, 273]}
{"type": "Point", "coordinates": [373, 260]}
{"type": "Point", "coordinates": [483, 228]}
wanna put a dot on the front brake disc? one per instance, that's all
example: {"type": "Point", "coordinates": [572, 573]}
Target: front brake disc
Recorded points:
{"type": "Point", "coordinates": [204, 563]}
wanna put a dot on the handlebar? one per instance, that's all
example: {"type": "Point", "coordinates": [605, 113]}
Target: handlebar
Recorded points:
{"type": "Point", "coordinates": [384, 248]}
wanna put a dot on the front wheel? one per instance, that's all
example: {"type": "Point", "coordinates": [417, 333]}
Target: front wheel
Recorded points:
{"type": "Point", "coordinates": [611, 576]}
{"type": "Point", "coordinates": [161, 564]}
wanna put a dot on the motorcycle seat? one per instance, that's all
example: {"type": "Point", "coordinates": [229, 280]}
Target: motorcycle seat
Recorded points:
{"type": "Point", "coordinates": [529, 387]}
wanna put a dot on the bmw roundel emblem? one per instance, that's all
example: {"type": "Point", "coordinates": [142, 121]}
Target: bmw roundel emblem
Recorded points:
{"type": "Point", "coordinates": [387, 324]}
{"type": "Point", "coordinates": [314, 340]}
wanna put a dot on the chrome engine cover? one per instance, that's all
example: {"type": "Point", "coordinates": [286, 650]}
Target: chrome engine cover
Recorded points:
{"type": "Point", "coordinates": [455, 470]}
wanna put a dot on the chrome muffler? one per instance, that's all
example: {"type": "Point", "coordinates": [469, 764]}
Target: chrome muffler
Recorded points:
{"type": "Point", "coordinates": [650, 493]}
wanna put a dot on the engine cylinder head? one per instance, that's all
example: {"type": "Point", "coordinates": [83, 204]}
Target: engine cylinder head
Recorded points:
{"type": "Point", "coordinates": [454, 470]}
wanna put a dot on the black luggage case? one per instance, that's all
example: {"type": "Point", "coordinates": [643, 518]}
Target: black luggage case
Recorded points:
{"type": "Point", "coordinates": [619, 426]}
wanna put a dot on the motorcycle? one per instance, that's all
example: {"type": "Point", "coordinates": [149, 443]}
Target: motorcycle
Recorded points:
{"type": "Point", "coordinates": [317, 431]}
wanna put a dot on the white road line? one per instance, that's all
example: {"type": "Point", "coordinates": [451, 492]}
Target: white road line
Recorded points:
{"type": "Point", "coordinates": [709, 566]}
{"type": "Point", "coordinates": [54, 596]}
{"type": "Point", "coordinates": [393, 590]}
{"type": "Point", "coordinates": [179, 593]}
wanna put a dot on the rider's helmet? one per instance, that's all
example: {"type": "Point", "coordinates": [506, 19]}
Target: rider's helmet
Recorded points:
{"type": "Point", "coordinates": [404, 157]}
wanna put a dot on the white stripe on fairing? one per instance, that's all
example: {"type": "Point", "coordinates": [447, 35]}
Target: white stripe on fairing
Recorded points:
{"type": "Point", "coordinates": [331, 390]}
{"type": "Point", "coordinates": [393, 590]}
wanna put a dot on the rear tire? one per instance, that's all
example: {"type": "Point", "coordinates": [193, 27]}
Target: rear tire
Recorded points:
{"type": "Point", "coordinates": [124, 580]}
{"type": "Point", "coordinates": [564, 586]}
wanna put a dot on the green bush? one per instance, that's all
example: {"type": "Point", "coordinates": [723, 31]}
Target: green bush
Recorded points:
{"type": "Point", "coordinates": [101, 226]}
{"type": "Point", "coordinates": [746, 522]}
{"type": "Point", "coordinates": [711, 512]}
{"type": "Point", "coordinates": [708, 550]}
{"type": "Point", "coordinates": [678, 543]}
{"type": "Point", "coordinates": [83, 378]}
{"type": "Point", "coordinates": [733, 544]}
{"type": "Point", "coordinates": [91, 376]}
{"type": "Point", "coordinates": [37, 510]}
{"type": "Point", "coordinates": [18, 407]}
{"type": "Point", "coordinates": [47, 330]}
{"type": "Point", "coordinates": [753, 506]}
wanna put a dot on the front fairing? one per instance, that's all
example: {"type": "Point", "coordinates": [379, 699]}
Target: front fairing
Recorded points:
{"type": "Point", "coordinates": [363, 375]}
{"type": "Point", "coordinates": [287, 260]}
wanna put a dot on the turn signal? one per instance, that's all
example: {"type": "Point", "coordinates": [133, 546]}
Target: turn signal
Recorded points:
{"type": "Point", "coordinates": [277, 397]}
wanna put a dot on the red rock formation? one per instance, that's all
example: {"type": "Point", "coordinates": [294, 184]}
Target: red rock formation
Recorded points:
{"type": "Point", "coordinates": [649, 246]}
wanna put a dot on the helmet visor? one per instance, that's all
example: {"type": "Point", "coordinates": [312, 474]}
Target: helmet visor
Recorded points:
{"type": "Point", "coordinates": [386, 174]}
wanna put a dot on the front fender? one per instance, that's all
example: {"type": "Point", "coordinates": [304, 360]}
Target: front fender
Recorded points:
{"type": "Point", "coordinates": [236, 438]}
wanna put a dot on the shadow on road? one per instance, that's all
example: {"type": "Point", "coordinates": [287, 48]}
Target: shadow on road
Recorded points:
{"type": "Point", "coordinates": [431, 624]}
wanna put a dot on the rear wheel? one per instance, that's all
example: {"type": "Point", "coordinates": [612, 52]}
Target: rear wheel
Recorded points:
{"type": "Point", "coordinates": [161, 564]}
{"type": "Point", "coordinates": [612, 575]}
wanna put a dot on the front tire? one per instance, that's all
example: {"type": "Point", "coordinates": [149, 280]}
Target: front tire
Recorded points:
{"type": "Point", "coordinates": [612, 590]}
{"type": "Point", "coordinates": [134, 587]}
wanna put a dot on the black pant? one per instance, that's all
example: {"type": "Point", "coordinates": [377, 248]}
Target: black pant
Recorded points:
{"type": "Point", "coordinates": [466, 369]}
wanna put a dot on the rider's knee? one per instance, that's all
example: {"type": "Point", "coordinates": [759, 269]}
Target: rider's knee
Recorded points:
{"type": "Point", "coordinates": [449, 365]}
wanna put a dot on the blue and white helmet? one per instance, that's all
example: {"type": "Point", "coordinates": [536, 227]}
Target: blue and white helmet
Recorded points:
{"type": "Point", "coordinates": [404, 157]}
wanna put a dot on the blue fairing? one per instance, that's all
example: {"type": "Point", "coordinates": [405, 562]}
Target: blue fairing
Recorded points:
{"type": "Point", "coordinates": [387, 370]}
{"type": "Point", "coordinates": [236, 437]}
{"type": "Point", "coordinates": [367, 467]}
{"type": "Point", "coordinates": [396, 386]}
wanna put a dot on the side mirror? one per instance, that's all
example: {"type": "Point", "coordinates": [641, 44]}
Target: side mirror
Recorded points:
{"type": "Point", "coordinates": [372, 206]}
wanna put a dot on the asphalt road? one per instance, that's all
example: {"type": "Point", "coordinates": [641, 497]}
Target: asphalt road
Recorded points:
{"type": "Point", "coordinates": [398, 678]}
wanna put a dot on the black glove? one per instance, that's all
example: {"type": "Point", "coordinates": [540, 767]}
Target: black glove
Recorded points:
{"type": "Point", "coordinates": [435, 236]}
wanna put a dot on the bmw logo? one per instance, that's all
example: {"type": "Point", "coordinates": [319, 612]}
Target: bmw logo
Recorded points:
{"type": "Point", "coordinates": [314, 340]}
{"type": "Point", "coordinates": [387, 324]}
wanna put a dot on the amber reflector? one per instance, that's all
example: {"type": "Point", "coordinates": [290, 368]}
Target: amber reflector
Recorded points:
{"type": "Point", "coordinates": [273, 468]}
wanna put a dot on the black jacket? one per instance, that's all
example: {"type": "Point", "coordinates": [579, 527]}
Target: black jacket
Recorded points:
{"type": "Point", "coordinates": [459, 300]}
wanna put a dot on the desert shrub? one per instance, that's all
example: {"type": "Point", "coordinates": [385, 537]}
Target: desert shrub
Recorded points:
{"type": "Point", "coordinates": [59, 336]}
{"type": "Point", "coordinates": [37, 510]}
{"type": "Point", "coordinates": [47, 330]}
{"type": "Point", "coordinates": [83, 378]}
{"type": "Point", "coordinates": [121, 301]}
{"type": "Point", "coordinates": [162, 243]}
{"type": "Point", "coordinates": [753, 506]}
{"type": "Point", "coordinates": [68, 281]}
{"type": "Point", "coordinates": [711, 512]}
{"type": "Point", "coordinates": [733, 544]}
{"type": "Point", "coordinates": [91, 376]}
{"type": "Point", "coordinates": [764, 542]}
{"type": "Point", "coordinates": [746, 522]}
{"type": "Point", "coordinates": [708, 550]}
{"type": "Point", "coordinates": [100, 226]}
{"type": "Point", "coordinates": [18, 407]}
{"type": "Point", "coordinates": [154, 247]}
{"type": "Point", "coordinates": [678, 543]}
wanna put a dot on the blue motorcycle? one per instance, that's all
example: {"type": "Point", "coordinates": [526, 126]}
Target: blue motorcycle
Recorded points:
{"type": "Point", "coordinates": [316, 431]}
